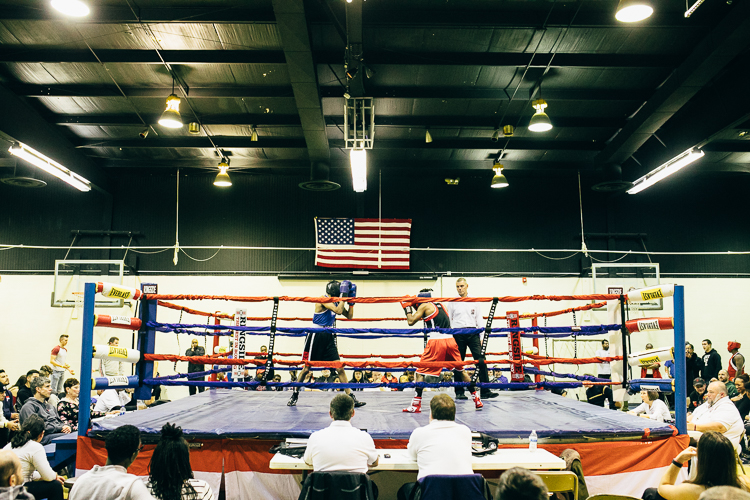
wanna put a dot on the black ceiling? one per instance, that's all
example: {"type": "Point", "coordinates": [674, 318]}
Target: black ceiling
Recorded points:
{"type": "Point", "coordinates": [617, 93]}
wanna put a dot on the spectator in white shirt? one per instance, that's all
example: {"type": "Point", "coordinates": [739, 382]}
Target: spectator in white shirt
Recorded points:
{"type": "Point", "coordinates": [170, 474]}
{"type": "Point", "coordinates": [652, 407]}
{"type": "Point", "coordinates": [441, 448]}
{"type": "Point", "coordinates": [604, 370]}
{"type": "Point", "coordinates": [341, 447]}
{"type": "Point", "coordinates": [39, 478]}
{"type": "Point", "coordinates": [719, 414]}
{"type": "Point", "coordinates": [111, 367]}
{"type": "Point", "coordinates": [11, 478]}
{"type": "Point", "coordinates": [112, 482]}
{"type": "Point", "coordinates": [111, 399]}
{"type": "Point", "coordinates": [468, 315]}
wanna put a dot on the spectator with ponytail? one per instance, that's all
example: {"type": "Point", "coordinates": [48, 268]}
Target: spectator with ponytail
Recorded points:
{"type": "Point", "coordinates": [170, 474]}
{"type": "Point", "coordinates": [39, 478]}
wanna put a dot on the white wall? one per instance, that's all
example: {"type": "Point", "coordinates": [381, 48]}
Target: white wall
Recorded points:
{"type": "Point", "coordinates": [29, 327]}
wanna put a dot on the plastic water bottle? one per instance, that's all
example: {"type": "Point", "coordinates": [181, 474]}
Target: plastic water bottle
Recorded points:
{"type": "Point", "coordinates": [532, 441]}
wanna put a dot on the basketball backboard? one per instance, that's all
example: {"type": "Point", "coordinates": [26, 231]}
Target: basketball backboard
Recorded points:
{"type": "Point", "coordinates": [72, 275]}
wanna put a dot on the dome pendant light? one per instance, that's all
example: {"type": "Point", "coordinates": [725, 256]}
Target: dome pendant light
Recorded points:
{"type": "Point", "coordinates": [427, 136]}
{"type": "Point", "coordinates": [222, 179]}
{"type": "Point", "coordinates": [540, 121]}
{"type": "Point", "coordinates": [74, 8]}
{"type": "Point", "coordinates": [171, 117]}
{"type": "Point", "coordinates": [632, 11]}
{"type": "Point", "coordinates": [499, 181]}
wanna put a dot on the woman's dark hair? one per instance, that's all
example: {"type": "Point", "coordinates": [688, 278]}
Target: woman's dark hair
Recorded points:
{"type": "Point", "coordinates": [170, 468]}
{"type": "Point", "coordinates": [652, 395]}
{"type": "Point", "coordinates": [20, 382]}
{"type": "Point", "coordinates": [716, 462]}
{"type": "Point", "coordinates": [745, 379]}
{"type": "Point", "coordinates": [361, 377]}
{"type": "Point", "coordinates": [31, 429]}
{"type": "Point", "coordinates": [71, 382]}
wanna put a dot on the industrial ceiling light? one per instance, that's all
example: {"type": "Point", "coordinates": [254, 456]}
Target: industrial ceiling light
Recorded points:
{"type": "Point", "coordinates": [358, 160]}
{"type": "Point", "coordinates": [540, 121]}
{"type": "Point", "coordinates": [222, 179]}
{"type": "Point", "coordinates": [50, 166]}
{"type": "Point", "coordinates": [171, 117]}
{"type": "Point", "coordinates": [495, 135]}
{"type": "Point", "coordinates": [194, 128]}
{"type": "Point", "coordinates": [499, 181]}
{"type": "Point", "coordinates": [74, 8]}
{"type": "Point", "coordinates": [452, 182]}
{"type": "Point", "coordinates": [254, 135]}
{"type": "Point", "coordinates": [143, 134]}
{"type": "Point", "coordinates": [508, 130]}
{"type": "Point", "coordinates": [427, 136]}
{"type": "Point", "coordinates": [666, 170]}
{"type": "Point", "coordinates": [632, 11]}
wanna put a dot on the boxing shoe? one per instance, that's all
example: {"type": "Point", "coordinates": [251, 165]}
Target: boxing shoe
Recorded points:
{"type": "Point", "coordinates": [293, 400]}
{"type": "Point", "coordinates": [357, 404]}
{"type": "Point", "coordinates": [416, 406]}
{"type": "Point", "coordinates": [489, 394]}
{"type": "Point", "coordinates": [477, 400]}
{"type": "Point", "coordinates": [461, 395]}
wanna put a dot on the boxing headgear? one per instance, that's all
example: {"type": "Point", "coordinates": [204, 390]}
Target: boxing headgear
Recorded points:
{"type": "Point", "coordinates": [425, 292]}
{"type": "Point", "coordinates": [333, 288]}
{"type": "Point", "coordinates": [733, 345]}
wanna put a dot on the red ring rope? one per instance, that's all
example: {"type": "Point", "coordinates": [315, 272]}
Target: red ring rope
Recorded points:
{"type": "Point", "coordinates": [381, 300]}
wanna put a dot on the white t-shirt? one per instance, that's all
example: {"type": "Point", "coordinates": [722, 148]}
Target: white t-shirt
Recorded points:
{"type": "Point", "coordinates": [657, 411]}
{"type": "Point", "coordinates": [111, 482]}
{"type": "Point", "coordinates": [340, 447]}
{"type": "Point", "coordinates": [61, 355]}
{"type": "Point", "coordinates": [442, 447]}
{"type": "Point", "coordinates": [111, 398]}
{"type": "Point", "coordinates": [33, 458]}
{"type": "Point", "coordinates": [603, 368]}
{"type": "Point", "coordinates": [202, 489]}
{"type": "Point", "coordinates": [464, 314]}
{"type": "Point", "coordinates": [722, 411]}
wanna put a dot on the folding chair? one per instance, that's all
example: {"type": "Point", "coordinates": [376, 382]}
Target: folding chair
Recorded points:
{"type": "Point", "coordinates": [560, 481]}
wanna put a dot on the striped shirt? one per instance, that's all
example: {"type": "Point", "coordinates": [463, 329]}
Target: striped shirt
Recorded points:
{"type": "Point", "coordinates": [202, 489]}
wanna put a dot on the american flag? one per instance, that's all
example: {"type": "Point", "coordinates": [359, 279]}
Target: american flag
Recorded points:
{"type": "Point", "coordinates": [362, 243]}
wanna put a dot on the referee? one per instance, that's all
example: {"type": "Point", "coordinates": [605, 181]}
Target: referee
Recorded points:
{"type": "Point", "coordinates": [467, 315]}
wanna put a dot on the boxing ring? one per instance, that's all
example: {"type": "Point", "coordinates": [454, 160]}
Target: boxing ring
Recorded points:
{"type": "Point", "coordinates": [231, 431]}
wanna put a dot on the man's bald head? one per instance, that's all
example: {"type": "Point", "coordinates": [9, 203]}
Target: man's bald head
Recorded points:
{"type": "Point", "coordinates": [724, 493]}
{"type": "Point", "coordinates": [10, 469]}
{"type": "Point", "coordinates": [718, 387]}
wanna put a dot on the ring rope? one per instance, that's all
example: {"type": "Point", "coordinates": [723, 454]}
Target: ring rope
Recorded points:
{"type": "Point", "coordinates": [340, 386]}
{"type": "Point", "coordinates": [380, 300]}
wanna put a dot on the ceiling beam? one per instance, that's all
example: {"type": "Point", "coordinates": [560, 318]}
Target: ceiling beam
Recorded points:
{"type": "Point", "coordinates": [55, 90]}
{"type": "Point", "coordinates": [295, 39]}
{"type": "Point", "coordinates": [115, 14]}
{"type": "Point", "coordinates": [373, 57]}
{"type": "Point", "coordinates": [709, 57]}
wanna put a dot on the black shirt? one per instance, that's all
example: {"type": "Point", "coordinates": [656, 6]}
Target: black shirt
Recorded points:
{"type": "Point", "coordinates": [198, 351]}
{"type": "Point", "coordinates": [696, 400]}
{"type": "Point", "coordinates": [24, 393]}
{"type": "Point", "coordinates": [743, 406]}
{"type": "Point", "coordinates": [711, 365]}
{"type": "Point", "coordinates": [596, 395]}
{"type": "Point", "coordinates": [693, 367]}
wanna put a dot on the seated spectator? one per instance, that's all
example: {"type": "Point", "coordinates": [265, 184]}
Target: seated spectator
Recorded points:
{"type": "Point", "coordinates": [326, 377]}
{"type": "Point", "coordinates": [45, 371]}
{"type": "Point", "coordinates": [652, 407]}
{"type": "Point", "coordinates": [358, 378]}
{"type": "Point", "coordinates": [24, 391]}
{"type": "Point", "coordinates": [9, 396]}
{"type": "Point", "coordinates": [337, 381]}
{"type": "Point", "coordinates": [698, 396]}
{"type": "Point", "coordinates": [403, 379]}
{"type": "Point", "coordinates": [170, 475]}
{"type": "Point", "coordinates": [718, 413]}
{"type": "Point", "coordinates": [521, 484]}
{"type": "Point", "coordinates": [54, 427]}
{"type": "Point", "coordinates": [731, 388]}
{"type": "Point", "coordinates": [716, 467]}
{"type": "Point", "coordinates": [39, 478]}
{"type": "Point", "coordinates": [369, 377]}
{"type": "Point", "coordinates": [11, 478]}
{"type": "Point", "coordinates": [277, 379]}
{"type": "Point", "coordinates": [598, 394]}
{"type": "Point", "coordinates": [67, 408]}
{"type": "Point", "coordinates": [111, 399]}
{"type": "Point", "coordinates": [112, 482]}
{"type": "Point", "coordinates": [388, 378]}
{"type": "Point", "coordinates": [724, 493]}
{"type": "Point", "coordinates": [442, 447]}
{"type": "Point", "coordinates": [411, 375]}
{"type": "Point", "coordinates": [341, 447]}
{"type": "Point", "coordinates": [446, 377]}
{"type": "Point", "coordinates": [741, 400]}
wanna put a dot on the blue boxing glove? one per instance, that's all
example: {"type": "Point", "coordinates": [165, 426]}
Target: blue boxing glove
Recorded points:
{"type": "Point", "coordinates": [352, 293]}
{"type": "Point", "coordinates": [344, 288]}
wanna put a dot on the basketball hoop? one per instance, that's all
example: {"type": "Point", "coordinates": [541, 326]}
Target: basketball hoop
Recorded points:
{"type": "Point", "coordinates": [78, 296]}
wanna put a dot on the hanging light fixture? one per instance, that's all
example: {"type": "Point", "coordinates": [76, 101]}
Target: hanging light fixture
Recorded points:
{"type": "Point", "coordinates": [194, 128]}
{"type": "Point", "coordinates": [508, 130]}
{"type": "Point", "coordinates": [74, 8]}
{"type": "Point", "coordinates": [358, 160]}
{"type": "Point", "coordinates": [632, 11]}
{"type": "Point", "coordinates": [540, 121]}
{"type": "Point", "coordinates": [254, 135]}
{"type": "Point", "coordinates": [222, 179]}
{"type": "Point", "coordinates": [50, 166]}
{"type": "Point", "coordinates": [171, 117]}
{"type": "Point", "coordinates": [499, 181]}
{"type": "Point", "coordinates": [427, 136]}
{"type": "Point", "coordinates": [495, 135]}
{"type": "Point", "coordinates": [665, 170]}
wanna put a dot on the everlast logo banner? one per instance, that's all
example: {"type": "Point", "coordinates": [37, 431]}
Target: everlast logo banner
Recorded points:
{"type": "Point", "coordinates": [120, 320]}
{"type": "Point", "coordinates": [117, 381]}
{"type": "Point", "coordinates": [649, 361]}
{"type": "Point", "coordinates": [652, 294]}
{"type": "Point", "coordinates": [119, 293]}
{"type": "Point", "coordinates": [650, 325]}
{"type": "Point", "coordinates": [118, 352]}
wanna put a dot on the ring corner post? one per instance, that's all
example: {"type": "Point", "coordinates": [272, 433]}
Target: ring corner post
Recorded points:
{"type": "Point", "coordinates": [680, 399]}
{"type": "Point", "coordinates": [146, 344]}
{"type": "Point", "coordinates": [87, 348]}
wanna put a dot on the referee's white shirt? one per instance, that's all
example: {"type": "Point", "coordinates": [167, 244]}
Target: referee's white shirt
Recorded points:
{"type": "Point", "coordinates": [443, 447]}
{"type": "Point", "coordinates": [464, 314]}
{"type": "Point", "coordinates": [340, 447]}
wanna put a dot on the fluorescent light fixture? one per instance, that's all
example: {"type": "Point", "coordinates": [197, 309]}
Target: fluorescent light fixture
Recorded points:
{"type": "Point", "coordinates": [690, 11]}
{"type": "Point", "coordinates": [171, 117]}
{"type": "Point", "coordinates": [666, 170]}
{"type": "Point", "coordinates": [540, 121]}
{"type": "Point", "coordinates": [50, 166]}
{"type": "Point", "coordinates": [222, 179]}
{"type": "Point", "coordinates": [74, 8]}
{"type": "Point", "coordinates": [358, 160]}
{"type": "Point", "coordinates": [632, 11]}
